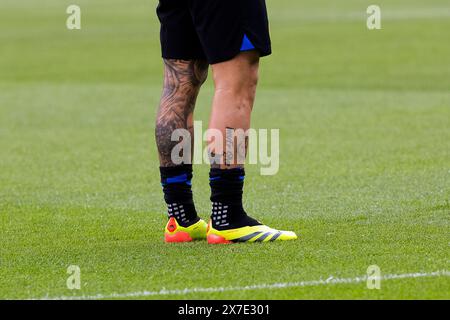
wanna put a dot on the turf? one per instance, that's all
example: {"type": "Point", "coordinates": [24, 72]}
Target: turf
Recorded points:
{"type": "Point", "coordinates": [364, 119]}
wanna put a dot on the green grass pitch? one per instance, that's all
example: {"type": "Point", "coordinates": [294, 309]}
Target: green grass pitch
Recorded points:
{"type": "Point", "coordinates": [364, 119]}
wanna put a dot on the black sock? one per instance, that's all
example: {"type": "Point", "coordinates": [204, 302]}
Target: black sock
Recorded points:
{"type": "Point", "coordinates": [226, 197]}
{"type": "Point", "coordinates": [176, 183]}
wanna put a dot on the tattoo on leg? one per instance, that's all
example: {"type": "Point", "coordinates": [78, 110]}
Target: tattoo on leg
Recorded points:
{"type": "Point", "coordinates": [229, 153]}
{"type": "Point", "coordinates": [182, 82]}
{"type": "Point", "coordinates": [241, 149]}
{"type": "Point", "coordinates": [234, 152]}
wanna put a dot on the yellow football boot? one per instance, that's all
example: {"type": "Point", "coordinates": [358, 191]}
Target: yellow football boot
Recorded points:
{"type": "Point", "coordinates": [258, 233]}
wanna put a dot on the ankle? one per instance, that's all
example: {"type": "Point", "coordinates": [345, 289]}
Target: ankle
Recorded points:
{"type": "Point", "coordinates": [176, 183]}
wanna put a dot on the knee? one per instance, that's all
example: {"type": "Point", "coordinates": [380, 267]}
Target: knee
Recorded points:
{"type": "Point", "coordinates": [185, 73]}
{"type": "Point", "coordinates": [239, 86]}
{"type": "Point", "coordinates": [182, 82]}
{"type": "Point", "coordinates": [238, 79]}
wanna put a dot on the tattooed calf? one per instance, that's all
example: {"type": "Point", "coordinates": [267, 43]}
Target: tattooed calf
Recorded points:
{"type": "Point", "coordinates": [182, 82]}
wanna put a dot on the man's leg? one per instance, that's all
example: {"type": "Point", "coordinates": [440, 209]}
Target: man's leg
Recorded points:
{"type": "Point", "coordinates": [235, 88]}
{"type": "Point", "coordinates": [182, 82]}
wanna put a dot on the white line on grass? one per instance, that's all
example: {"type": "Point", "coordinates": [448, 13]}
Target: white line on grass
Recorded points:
{"type": "Point", "coordinates": [331, 280]}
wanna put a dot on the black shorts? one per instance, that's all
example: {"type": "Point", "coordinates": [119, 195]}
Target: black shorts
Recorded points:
{"type": "Point", "coordinates": [215, 30]}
